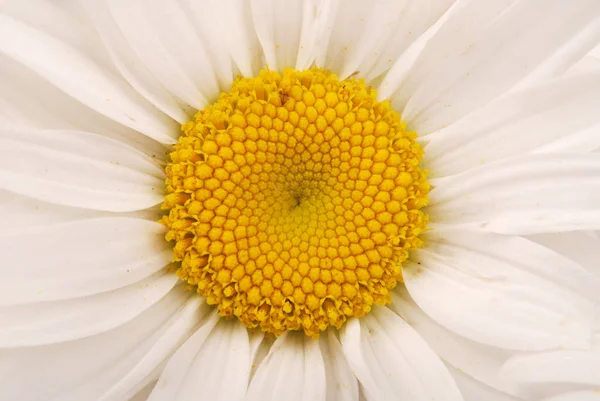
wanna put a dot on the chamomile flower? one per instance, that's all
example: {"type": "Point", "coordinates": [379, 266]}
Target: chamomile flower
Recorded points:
{"type": "Point", "coordinates": [299, 200]}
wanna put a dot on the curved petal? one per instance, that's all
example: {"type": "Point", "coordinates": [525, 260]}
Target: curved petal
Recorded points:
{"type": "Point", "coordinates": [89, 368]}
{"type": "Point", "coordinates": [214, 364]}
{"type": "Point", "coordinates": [129, 65]}
{"type": "Point", "coordinates": [473, 390]}
{"type": "Point", "coordinates": [293, 370]}
{"type": "Point", "coordinates": [77, 75]}
{"type": "Point", "coordinates": [21, 215]}
{"type": "Point", "coordinates": [61, 20]}
{"type": "Point", "coordinates": [563, 366]}
{"type": "Point", "coordinates": [481, 52]}
{"type": "Point", "coordinates": [531, 120]}
{"type": "Point", "coordinates": [480, 362]}
{"type": "Point", "coordinates": [72, 319]}
{"type": "Point", "coordinates": [369, 40]}
{"type": "Point", "coordinates": [163, 38]}
{"type": "Point", "coordinates": [587, 395]}
{"type": "Point", "coordinates": [528, 194]}
{"type": "Point", "coordinates": [28, 100]}
{"type": "Point", "coordinates": [581, 246]}
{"type": "Point", "coordinates": [80, 258]}
{"type": "Point", "coordinates": [144, 393]}
{"type": "Point", "coordinates": [229, 32]}
{"type": "Point", "coordinates": [280, 27]}
{"type": "Point", "coordinates": [392, 362]}
{"type": "Point", "coordinates": [340, 380]}
{"type": "Point", "coordinates": [212, 21]}
{"type": "Point", "coordinates": [483, 290]}
{"type": "Point", "coordinates": [80, 169]}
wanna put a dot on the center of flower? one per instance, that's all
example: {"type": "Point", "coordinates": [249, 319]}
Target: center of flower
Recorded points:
{"type": "Point", "coordinates": [294, 199]}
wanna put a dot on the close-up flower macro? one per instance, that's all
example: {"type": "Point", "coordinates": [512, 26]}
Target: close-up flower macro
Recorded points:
{"type": "Point", "coordinates": [300, 200]}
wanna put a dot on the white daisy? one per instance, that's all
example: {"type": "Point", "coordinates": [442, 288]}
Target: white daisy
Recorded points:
{"type": "Point", "coordinates": [303, 252]}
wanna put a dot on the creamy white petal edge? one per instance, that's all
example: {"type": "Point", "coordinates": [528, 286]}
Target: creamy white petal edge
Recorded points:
{"type": "Point", "coordinates": [392, 361]}
{"type": "Point", "coordinates": [228, 38]}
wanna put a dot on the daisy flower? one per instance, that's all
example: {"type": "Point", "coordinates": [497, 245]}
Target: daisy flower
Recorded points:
{"type": "Point", "coordinates": [299, 200]}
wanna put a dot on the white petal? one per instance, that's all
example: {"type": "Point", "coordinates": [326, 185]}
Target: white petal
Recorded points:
{"type": "Point", "coordinates": [76, 168]}
{"type": "Point", "coordinates": [541, 261]}
{"type": "Point", "coordinates": [146, 370]}
{"type": "Point", "coordinates": [144, 393]}
{"type": "Point", "coordinates": [519, 123]}
{"type": "Point", "coordinates": [212, 24]}
{"type": "Point", "coordinates": [569, 55]}
{"type": "Point", "coordinates": [483, 291]}
{"type": "Point", "coordinates": [61, 20]}
{"type": "Point", "coordinates": [80, 258]}
{"type": "Point", "coordinates": [260, 350]}
{"type": "Point", "coordinates": [67, 320]}
{"type": "Point", "coordinates": [214, 364]}
{"type": "Point", "coordinates": [370, 39]}
{"type": "Point", "coordinates": [279, 27]}
{"type": "Point", "coordinates": [21, 215]}
{"type": "Point", "coordinates": [129, 65]}
{"type": "Point", "coordinates": [585, 65]}
{"type": "Point", "coordinates": [77, 75]}
{"type": "Point", "coordinates": [581, 246]}
{"type": "Point", "coordinates": [589, 395]}
{"type": "Point", "coordinates": [479, 361]}
{"type": "Point", "coordinates": [28, 100]}
{"type": "Point", "coordinates": [586, 140]}
{"type": "Point", "coordinates": [578, 367]}
{"type": "Point", "coordinates": [87, 369]}
{"type": "Point", "coordinates": [230, 32]}
{"type": "Point", "coordinates": [481, 52]}
{"type": "Point", "coordinates": [162, 36]}
{"type": "Point", "coordinates": [528, 194]}
{"type": "Point", "coordinates": [341, 382]}
{"type": "Point", "coordinates": [293, 370]}
{"type": "Point", "coordinates": [392, 362]}
{"type": "Point", "coordinates": [473, 390]}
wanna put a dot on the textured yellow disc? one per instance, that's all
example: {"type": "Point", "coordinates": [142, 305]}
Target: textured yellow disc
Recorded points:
{"type": "Point", "coordinates": [294, 199]}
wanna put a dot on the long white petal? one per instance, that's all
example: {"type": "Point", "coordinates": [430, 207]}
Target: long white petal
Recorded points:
{"type": "Point", "coordinates": [163, 37]}
{"type": "Point", "coordinates": [229, 32]}
{"type": "Point", "coordinates": [89, 368]}
{"type": "Point", "coordinates": [278, 26]}
{"type": "Point", "coordinates": [368, 40]}
{"type": "Point", "coordinates": [62, 21]}
{"type": "Point", "coordinates": [21, 215]}
{"type": "Point", "coordinates": [67, 320]}
{"type": "Point", "coordinates": [477, 360]}
{"type": "Point", "coordinates": [481, 52]}
{"type": "Point", "coordinates": [474, 390]}
{"type": "Point", "coordinates": [563, 110]}
{"type": "Point", "coordinates": [28, 100]}
{"type": "Point", "coordinates": [79, 258]}
{"type": "Point", "coordinates": [561, 366]}
{"type": "Point", "coordinates": [528, 194]}
{"type": "Point", "coordinates": [486, 293]}
{"type": "Point", "coordinates": [581, 246]}
{"type": "Point", "coordinates": [76, 168]}
{"type": "Point", "coordinates": [214, 364]}
{"type": "Point", "coordinates": [340, 380]}
{"type": "Point", "coordinates": [586, 395]}
{"type": "Point", "coordinates": [79, 76]}
{"type": "Point", "coordinates": [179, 328]}
{"type": "Point", "coordinates": [129, 65]}
{"type": "Point", "coordinates": [392, 362]}
{"type": "Point", "coordinates": [293, 370]}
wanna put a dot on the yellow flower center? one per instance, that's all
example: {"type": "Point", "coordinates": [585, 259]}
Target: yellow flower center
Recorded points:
{"type": "Point", "coordinates": [294, 199]}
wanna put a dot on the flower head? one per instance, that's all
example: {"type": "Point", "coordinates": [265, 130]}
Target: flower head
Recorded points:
{"type": "Point", "coordinates": [303, 200]}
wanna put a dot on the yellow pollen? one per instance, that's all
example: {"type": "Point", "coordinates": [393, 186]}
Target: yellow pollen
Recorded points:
{"type": "Point", "coordinates": [294, 199]}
